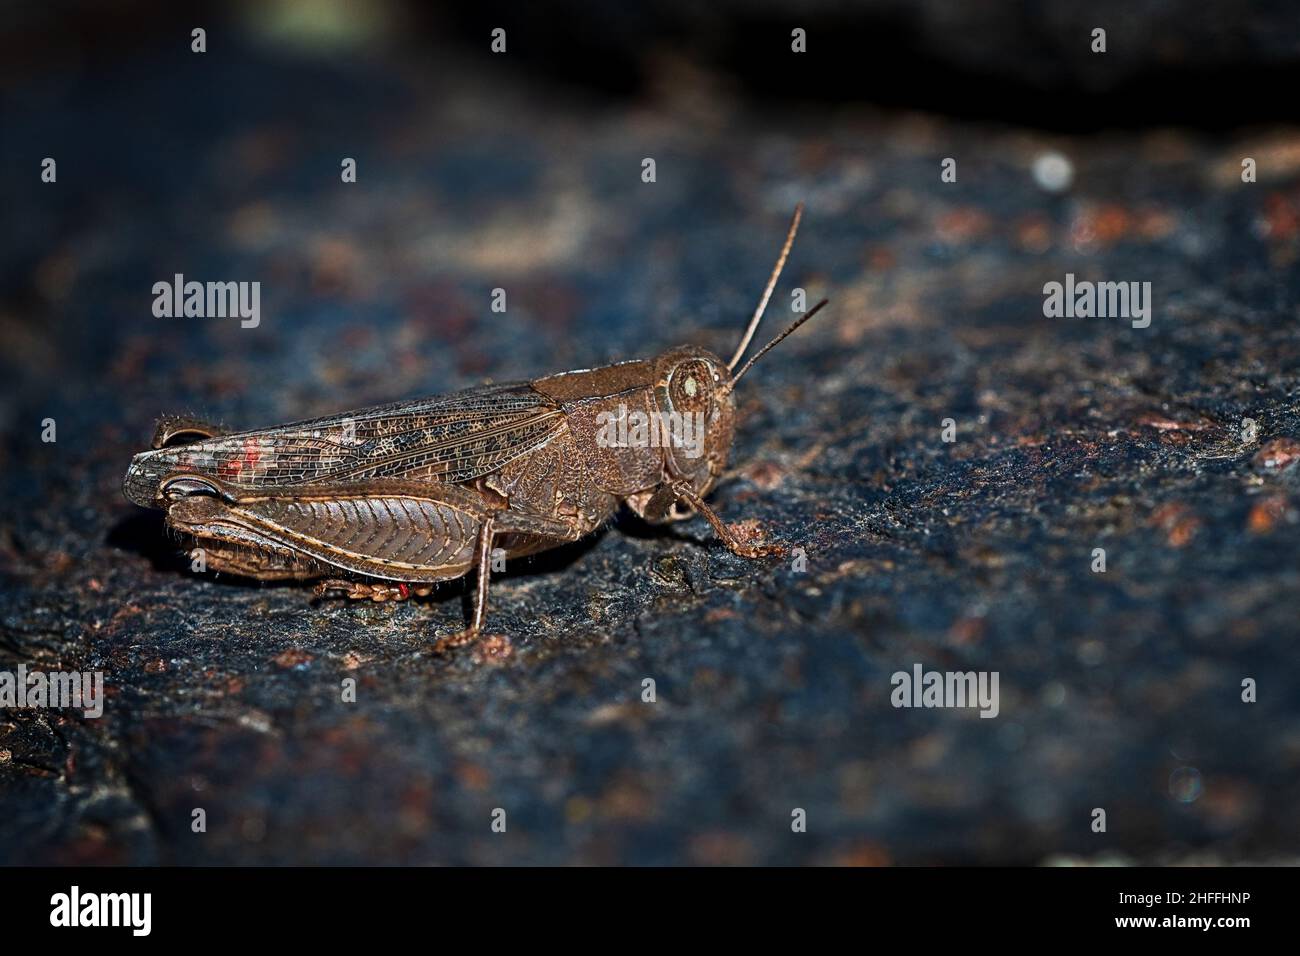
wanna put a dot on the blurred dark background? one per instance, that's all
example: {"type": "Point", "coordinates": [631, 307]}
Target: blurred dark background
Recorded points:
{"type": "Point", "coordinates": [1217, 64]}
{"type": "Point", "coordinates": [522, 171]}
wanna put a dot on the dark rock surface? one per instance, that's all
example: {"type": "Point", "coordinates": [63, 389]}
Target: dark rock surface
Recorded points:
{"type": "Point", "coordinates": [1119, 690]}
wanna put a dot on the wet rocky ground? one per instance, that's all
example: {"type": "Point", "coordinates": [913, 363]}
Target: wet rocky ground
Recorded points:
{"type": "Point", "coordinates": [1172, 447]}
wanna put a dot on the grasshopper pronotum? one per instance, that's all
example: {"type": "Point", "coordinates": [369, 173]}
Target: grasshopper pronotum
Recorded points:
{"type": "Point", "coordinates": [384, 502]}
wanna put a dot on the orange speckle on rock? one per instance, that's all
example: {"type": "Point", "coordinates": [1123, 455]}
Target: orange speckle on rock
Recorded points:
{"type": "Point", "coordinates": [292, 657]}
{"type": "Point", "coordinates": [1112, 224]}
{"type": "Point", "coordinates": [766, 474]}
{"type": "Point", "coordinates": [863, 854]}
{"type": "Point", "coordinates": [748, 531]}
{"type": "Point", "coordinates": [1281, 218]}
{"type": "Point", "coordinates": [1278, 453]}
{"type": "Point", "coordinates": [495, 648]}
{"type": "Point", "coordinates": [1099, 226]}
{"type": "Point", "coordinates": [1155, 223]}
{"type": "Point", "coordinates": [1178, 522]}
{"type": "Point", "coordinates": [473, 776]}
{"type": "Point", "coordinates": [881, 260]}
{"type": "Point", "coordinates": [1266, 513]}
{"type": "Point", "coordinates": [1161, 423]}
{"type": "Point", "coordinates": [966, 630]}
{"type": "Point", "coordinates": [962, 225]}
{"type": "Point", "coordinates": [718, 848]}
{"type": "Point", "coordinates": [1034, 233]}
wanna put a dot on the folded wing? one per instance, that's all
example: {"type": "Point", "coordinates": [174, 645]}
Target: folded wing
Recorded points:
{"type": "Point", "coordinates": [449, 439]}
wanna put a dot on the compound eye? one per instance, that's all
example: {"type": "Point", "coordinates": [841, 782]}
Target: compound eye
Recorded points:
{"type": "Point", "coordinates": [187, 486]}
{"type": "Point", "coordinates": [176, 430]}
{"type": "Point", "coordinates": [690, 387]}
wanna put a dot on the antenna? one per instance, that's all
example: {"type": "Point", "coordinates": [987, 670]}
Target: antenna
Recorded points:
{"type": "Point", "coordinates": [771, 284]}
{"type": "Point", "coordinates": [772, 344]}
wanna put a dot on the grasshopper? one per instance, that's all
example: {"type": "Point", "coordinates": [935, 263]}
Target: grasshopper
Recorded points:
{"type": "Point", "coordinates": [385, 502]}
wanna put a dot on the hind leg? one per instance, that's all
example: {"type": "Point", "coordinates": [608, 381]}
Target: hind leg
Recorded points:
{"type": "Point", "coordinates": [259, 559]}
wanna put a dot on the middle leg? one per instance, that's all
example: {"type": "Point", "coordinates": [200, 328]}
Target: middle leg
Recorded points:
{"type": "Point", "coordinates": [483, 571]}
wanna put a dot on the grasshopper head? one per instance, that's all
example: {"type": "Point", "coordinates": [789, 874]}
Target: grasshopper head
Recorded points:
{"type": "Point", "coordinates": [172, 452]}
{"type": "Point", "coordinates": [157, 478]}
{"type": "Point", "coordinates": [189, 458]}
{"type": "Point", "coordinates": [693, 394]}
{"type": "Point", "coordinates": [692, 391]}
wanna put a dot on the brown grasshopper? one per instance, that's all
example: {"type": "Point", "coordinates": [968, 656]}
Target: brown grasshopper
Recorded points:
{"type": "Point", "coordinates": [384, 502]}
